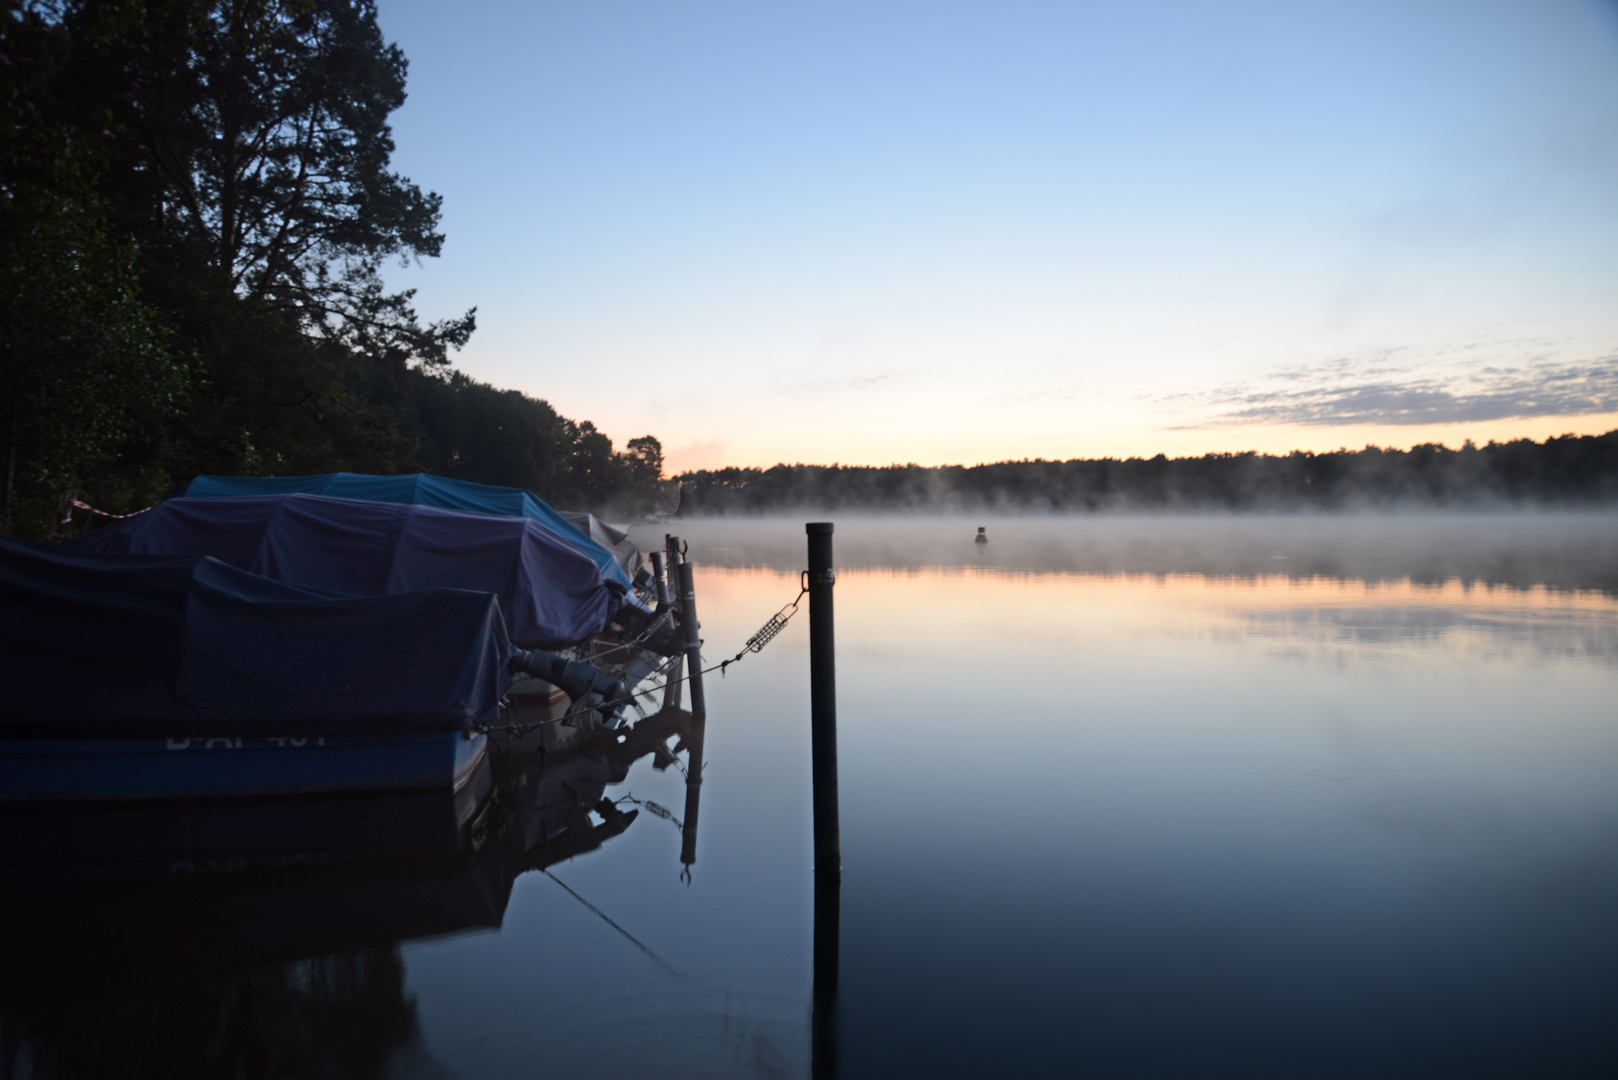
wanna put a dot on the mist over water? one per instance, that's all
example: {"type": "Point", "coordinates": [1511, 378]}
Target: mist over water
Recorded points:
{"type": "Point", "coordinates": [1557, 550]}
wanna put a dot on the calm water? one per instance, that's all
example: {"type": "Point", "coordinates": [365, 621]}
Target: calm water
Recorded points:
{"type": "Point", "coordinates": [1119, 797]}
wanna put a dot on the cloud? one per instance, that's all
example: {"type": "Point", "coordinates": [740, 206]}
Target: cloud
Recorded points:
{"type": "Point", "coordinates": [1343, 393]}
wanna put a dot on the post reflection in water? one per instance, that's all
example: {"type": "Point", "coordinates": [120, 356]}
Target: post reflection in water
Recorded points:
{"type": "Point", "coordinates": [693, 795]}
{"type": "Point", "coordinates": [828, 945]}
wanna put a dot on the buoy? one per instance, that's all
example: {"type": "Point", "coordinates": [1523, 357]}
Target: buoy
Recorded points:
{"type": "Point", "coordinates": [983, 535]}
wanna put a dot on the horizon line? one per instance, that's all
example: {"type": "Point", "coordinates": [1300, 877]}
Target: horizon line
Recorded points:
{"type": "Point", "coordinates": [1464, 447]}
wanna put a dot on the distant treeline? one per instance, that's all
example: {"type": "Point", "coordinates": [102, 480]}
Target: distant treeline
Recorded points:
{"type": "Point", "coordinates": [1566, 471]}
{"type": "Point", "coordinates": [196, 207]}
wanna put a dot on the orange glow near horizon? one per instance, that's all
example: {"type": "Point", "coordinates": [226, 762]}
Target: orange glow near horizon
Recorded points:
{"type": "Point", "coordinates": [1027, 596]}
{"type": "Point", "coordinates": [986, 447]}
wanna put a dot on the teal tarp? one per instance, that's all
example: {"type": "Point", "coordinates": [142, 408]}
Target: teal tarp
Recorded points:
{"type": "Point", "coordinates": [419, 489]}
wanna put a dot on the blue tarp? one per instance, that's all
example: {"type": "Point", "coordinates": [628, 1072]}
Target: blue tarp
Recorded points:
{"type": "Point", "coordinates": [418, 489]}
{"type": "Point", "coordinates": [551, 593]}
{"type": "Point", "coordinates": [181, 645]}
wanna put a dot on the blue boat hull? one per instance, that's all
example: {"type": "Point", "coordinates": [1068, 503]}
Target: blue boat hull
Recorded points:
{"type": "Point", "coordinates": [99, 770]}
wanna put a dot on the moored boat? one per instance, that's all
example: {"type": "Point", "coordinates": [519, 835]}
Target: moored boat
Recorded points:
{"type": "Point", "coordinates": [296, 644]}
{"type": "Point", "coordinates": [131, 678]}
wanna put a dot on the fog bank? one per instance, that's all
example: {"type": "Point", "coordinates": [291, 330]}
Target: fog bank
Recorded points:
{"type": "Point", "coordinates": [1567, 550]}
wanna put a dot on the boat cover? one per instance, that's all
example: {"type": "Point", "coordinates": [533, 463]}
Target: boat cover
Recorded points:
{"type": "Point", "coordinates": [552, 595]}
{"type": "Point", "coordinates": [420, 489]}
{"type": "Point", "coordinates": [613, 539]}
{"type": "Point", "coordinates": [102, 646]}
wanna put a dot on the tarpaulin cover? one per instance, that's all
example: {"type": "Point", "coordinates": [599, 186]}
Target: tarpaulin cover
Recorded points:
{"type": "Point", "coordinates": [139, 646]}
{"type": "Point", "coordinates": [613, 539]}
{"type": "Point", "coordinates": [419, 489]}
{"type": "Point", "coordinates": [552, 594]}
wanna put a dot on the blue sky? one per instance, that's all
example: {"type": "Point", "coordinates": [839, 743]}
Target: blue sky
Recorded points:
{"type": "Point", "coordinates": [970, 232]}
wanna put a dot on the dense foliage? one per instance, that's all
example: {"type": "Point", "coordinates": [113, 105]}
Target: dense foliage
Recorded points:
{"type": "Point", "coordinates": [472, 431]}
{"type": "Point", "coordinates": [1564, 471]}
{"type": "Point", "coordinates": [195, 208]}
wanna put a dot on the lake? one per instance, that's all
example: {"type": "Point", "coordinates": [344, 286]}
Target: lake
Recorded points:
{"type": "Point", "coordinates": [1119, 797]}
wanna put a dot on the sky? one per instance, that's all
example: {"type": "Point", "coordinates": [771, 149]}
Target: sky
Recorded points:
{"type": "Point", "coordinates": [962, 232]}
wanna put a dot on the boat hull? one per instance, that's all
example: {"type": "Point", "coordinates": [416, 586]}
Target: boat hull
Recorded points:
{"type": "Point", "coordinates": [102, 770]}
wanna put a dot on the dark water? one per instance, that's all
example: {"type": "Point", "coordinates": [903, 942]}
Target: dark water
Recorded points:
{"type": "Point", "coordinates": [1152, 797]}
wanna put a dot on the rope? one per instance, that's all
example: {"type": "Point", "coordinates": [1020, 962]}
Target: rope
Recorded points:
{"type": "Point", "coordinates": [664, 964]}
{"type": "Point", "coordinates": [74, 501]}
{"type": "Point", "coordinates": [651, 628]}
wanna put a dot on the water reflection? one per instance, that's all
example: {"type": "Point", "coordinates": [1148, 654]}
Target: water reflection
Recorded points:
{"type": "Point", "coordinates": [262, 939]}
{"type": "Point", "coordinates": [1127, 806]}
{"type": "Point", "coordinates": [1130, 808]}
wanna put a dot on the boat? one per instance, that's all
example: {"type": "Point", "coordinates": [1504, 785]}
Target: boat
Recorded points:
{"type": "Point", "coordinates": [182, 677]}
{"type": "Point", "coordinates": [297, 644]}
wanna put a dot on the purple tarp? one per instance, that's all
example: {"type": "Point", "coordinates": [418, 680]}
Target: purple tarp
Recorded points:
{"type": "Point", "coordinates": [128, 645]}
{"type": "Point", "coordinates": [552, 595]}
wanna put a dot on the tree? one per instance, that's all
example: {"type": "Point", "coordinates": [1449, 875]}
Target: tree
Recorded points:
{"type": "Point", "coordinates": [472, 431]}
{"type": "Point", "coordinates": [257, 133]}
{"type": "Point", "coordinates": [645, 456]}
{"type": "Point", "coordinates": [247, 148]}
{"type": "Point", "coordinates": [210, 181]}
{"type": "Point", "coordinates": [595, 473]}
{"type": "Point", "coordinates": [86, 371]}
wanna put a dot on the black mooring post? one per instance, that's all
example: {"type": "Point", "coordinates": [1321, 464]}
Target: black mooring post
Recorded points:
{"type": "Point", "coordinates": [693, 648]}
{"type": "Point", "coordinates": [823, 699]}
{"type": "Point", "coordinates": [828, 843]}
